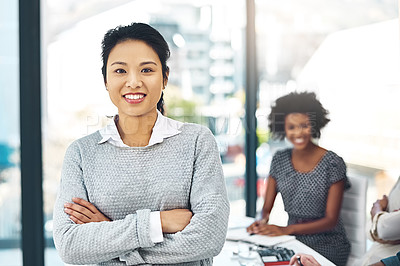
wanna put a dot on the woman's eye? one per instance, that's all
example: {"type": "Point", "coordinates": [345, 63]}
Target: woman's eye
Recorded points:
{"type": "Point", "coordinates": [120, 71]}
{"type": "Point", "coordinates": [146, 70]}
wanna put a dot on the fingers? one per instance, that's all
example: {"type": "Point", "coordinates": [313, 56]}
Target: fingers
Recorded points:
{"type": "Point", "coordinates": [309, 261]}
{"type": "Point", "coordinates": [75, 215]}
{"type": "Point", "coordinates": [75, 220]}
{"type": "Point", "coordinates": [252, 226]}
{"type": "Point", "coordinates": [79, 209]}
{"type": "Point", "coordinates": [304, 259]}
{"type": "Point", "coordinates": [262, 229]}
{"type": "Point", "coordinates": [82, 211]}
{"type": "Point", "coordinates": [85, 204]}
{"type": "Point", "coordinates": [270, 230]}
{"type": "Point", "coordinates": [265, 230]}
{"type": "Point", "coordinates": [293, 260]}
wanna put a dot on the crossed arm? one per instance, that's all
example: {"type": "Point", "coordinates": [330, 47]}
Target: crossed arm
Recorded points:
{"type": "Point", "coordinates": [93, 239]}
{"type": "Point", "coordinates": [83, 235]}
{"type": "Point", "coordinates": [384, 224]}
{"type": "Point", "coordinates": [83, 212]}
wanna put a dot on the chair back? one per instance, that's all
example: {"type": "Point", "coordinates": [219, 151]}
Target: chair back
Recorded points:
{"type": "Point", "coordinates": [353, 214]}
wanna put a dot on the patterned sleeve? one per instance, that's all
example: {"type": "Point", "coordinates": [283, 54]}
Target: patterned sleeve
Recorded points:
{"type": "Point", "coordinates": [274, 168]}
{"type": "Point", "coordinates": [337, 171]}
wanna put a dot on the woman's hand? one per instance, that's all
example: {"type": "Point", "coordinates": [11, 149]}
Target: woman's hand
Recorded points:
{"type": "Point", "coordinates": [270, 230]}
{"type": "Point", "coordinates": [256, 224]}
{"type": "Point", "coordinates": [379, 205]}
{"type": "Point", "coordinates": [306, 260]}
{"type": "Point", "coordinates": [175, 220]}
{"type": "Point", "coordinates": [83, 212]}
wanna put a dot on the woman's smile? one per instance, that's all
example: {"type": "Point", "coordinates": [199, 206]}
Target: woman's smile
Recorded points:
{"type": "Point", "coordinates": [134, 98]}
{"type": "Point", "coordinates": [299, 140]}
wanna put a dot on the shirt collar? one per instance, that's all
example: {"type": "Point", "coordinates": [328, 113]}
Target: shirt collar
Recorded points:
{"type": "Point", "coordinates": [163, 128]}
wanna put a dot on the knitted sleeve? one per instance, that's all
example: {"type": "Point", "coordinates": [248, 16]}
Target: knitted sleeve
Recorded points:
{"type": "Point", "coordinates": [204, 237]}
{"type": "Point", "coordinates": [93, 242]}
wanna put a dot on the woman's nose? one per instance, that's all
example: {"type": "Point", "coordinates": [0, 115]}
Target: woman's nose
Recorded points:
{"type": "Point", "coordinates": [297, 130]}
{"type": "Point", "coordinates": [133, 80]}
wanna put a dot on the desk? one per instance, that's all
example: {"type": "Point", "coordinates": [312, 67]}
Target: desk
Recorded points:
{"type": "Point", "coordinates": [225, 258]}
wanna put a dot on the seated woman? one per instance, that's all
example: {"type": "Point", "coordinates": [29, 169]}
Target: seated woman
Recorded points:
{"type": "Point", "coordinates": [385, 228]}
{"type": "Point", "coordinates": [145, 189]}
{"type": "Point", "coordinates": [310, 179]}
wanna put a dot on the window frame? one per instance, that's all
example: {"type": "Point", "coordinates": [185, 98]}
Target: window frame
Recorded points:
{"type": "Point", "coordinates": [31, 132]}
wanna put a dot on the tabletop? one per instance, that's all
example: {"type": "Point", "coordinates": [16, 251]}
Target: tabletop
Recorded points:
{"type": "Point", "coordinates": [232, 250]}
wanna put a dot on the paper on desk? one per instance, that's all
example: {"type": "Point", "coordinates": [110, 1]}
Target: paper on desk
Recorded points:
{"type": "Point", "coordinates": [242, 235]}
{"type": "Point", "coordinates": [236, 222]}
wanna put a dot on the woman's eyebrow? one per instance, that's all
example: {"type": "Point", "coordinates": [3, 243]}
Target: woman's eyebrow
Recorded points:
{"type": "Point", "coordinates": [118, 63]}
{"type": "Point", "coordinates": [148, 62]}
{"type": "Point", "coordinates": [141, 64]}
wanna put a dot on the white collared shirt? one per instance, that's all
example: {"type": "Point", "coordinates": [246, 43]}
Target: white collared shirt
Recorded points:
{"type": "Point", "coordinates": [163, 128]}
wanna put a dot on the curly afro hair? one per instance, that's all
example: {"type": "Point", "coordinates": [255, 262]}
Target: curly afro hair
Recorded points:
{"type": "Point", "coordinates": [295, 102]}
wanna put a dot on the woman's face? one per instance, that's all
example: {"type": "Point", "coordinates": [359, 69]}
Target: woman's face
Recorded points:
{"type": "Point", "coordinates": [298, 130]}
{"type": "Point", "coordinates": [134, 78]}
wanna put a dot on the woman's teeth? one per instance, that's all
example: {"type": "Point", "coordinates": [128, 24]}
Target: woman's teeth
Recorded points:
{"type": "Point", "coordinates": [134, 96]}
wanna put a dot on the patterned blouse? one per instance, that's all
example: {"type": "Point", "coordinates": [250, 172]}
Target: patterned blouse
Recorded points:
{"type": "Point", "coordinates": [305, 195]}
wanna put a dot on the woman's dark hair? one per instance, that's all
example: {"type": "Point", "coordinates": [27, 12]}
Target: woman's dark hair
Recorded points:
{"type": "Point", "coordinates": [295, 102]}
{"type": "Point", "coordinates": [141, 32]}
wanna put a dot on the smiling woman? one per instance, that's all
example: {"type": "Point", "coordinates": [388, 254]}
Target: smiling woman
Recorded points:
{"type": "Point", "coordinates": [310, 179]}
{"type": "Point", "coordinates": [135, 82]}
{"type": "Point", "coordinates": [146, 189]}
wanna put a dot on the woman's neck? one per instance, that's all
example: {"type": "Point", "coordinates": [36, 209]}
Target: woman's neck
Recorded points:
{"type": "Point", "coordinates": [135, 131]}
{"type": "Point", "coordinates": [305, 160]}
{"type": "Point", "coordinates": [310, 149]}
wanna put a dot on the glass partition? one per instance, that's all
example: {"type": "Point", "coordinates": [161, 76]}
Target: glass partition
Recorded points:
{"type": "Point", "coordinates": [352, 63]}
{"type": "Point", "coordinates": [10, 177]}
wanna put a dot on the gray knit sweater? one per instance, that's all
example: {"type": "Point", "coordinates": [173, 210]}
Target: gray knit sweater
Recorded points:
{"type": "Point", "coordinates": [126, 184]}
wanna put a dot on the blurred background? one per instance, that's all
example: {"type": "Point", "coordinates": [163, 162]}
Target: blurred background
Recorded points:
{"type": "Point", "coordinates": [345, 51]}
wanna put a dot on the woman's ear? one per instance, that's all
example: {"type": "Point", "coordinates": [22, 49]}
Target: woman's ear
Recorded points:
{"type": "Point", "coordinates": [166, 78]}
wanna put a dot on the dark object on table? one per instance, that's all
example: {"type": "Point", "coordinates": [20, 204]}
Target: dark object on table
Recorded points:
{"type": "Point", "coordinates": [282, 255]}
